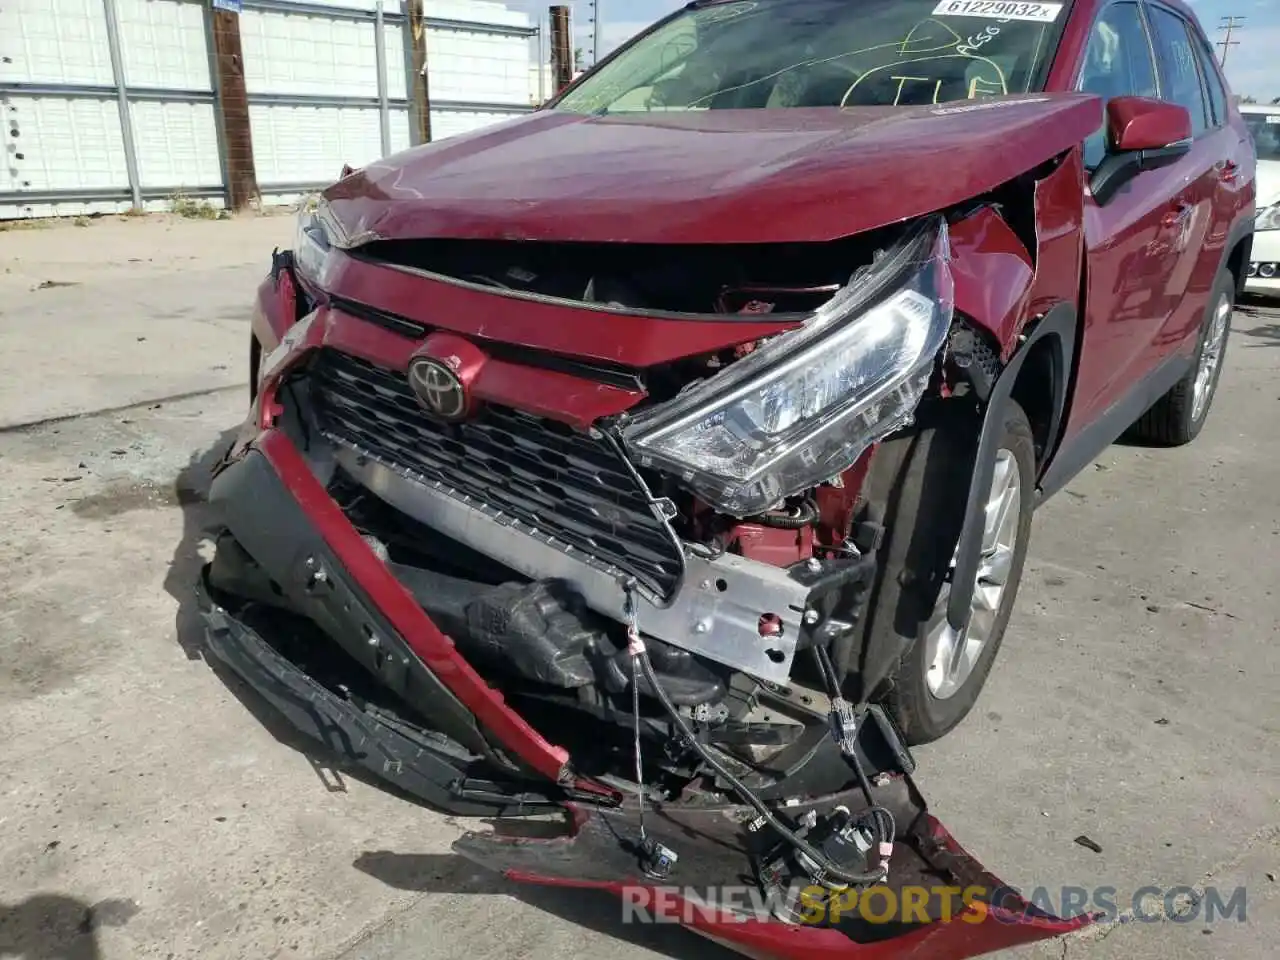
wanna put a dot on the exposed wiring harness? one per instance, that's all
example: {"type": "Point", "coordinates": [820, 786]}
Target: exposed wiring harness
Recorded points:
{"type": "Point", "coordinates": [844, 732]}
{"type": "Point", "coordinates": [828, 867]}
{"type": "Point", "coordinates": [796, 518]}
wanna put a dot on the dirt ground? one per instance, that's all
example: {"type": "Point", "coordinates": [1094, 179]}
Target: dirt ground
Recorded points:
{"type": "Point", "coordinates": [150, 808]}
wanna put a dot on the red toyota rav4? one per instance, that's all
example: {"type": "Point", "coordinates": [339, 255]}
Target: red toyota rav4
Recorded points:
{"type": "Point", "coordinates": [667, 457]}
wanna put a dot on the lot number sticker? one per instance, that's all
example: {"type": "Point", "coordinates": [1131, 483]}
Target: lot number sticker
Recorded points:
{"type": "Point", "coordinates": [999, 10]}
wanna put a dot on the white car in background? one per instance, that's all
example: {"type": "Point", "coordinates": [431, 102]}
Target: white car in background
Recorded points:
{"type": "Point", "coordinates": [1264, 263]}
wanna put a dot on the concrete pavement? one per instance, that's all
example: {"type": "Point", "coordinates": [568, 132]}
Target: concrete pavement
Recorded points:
{"type": "Point", "coordinates": [150, 808]}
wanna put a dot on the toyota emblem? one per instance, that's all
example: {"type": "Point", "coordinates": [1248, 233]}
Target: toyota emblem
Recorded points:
{"type": "Point", "coordinates": [438, 388]}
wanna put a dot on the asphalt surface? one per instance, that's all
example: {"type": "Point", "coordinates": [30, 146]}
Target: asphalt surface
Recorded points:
{"type": "Point", "coordinates": [151, 808]}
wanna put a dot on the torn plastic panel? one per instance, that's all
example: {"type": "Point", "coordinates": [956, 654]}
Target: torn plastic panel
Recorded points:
{"type": "Point", "coordinates": [1036, 315]}
{"type": "Point", "coordinates": [947, 904]}
{"type": "Point", "coordinates": [960, 911]}
{"type": "Point", "coordinates": [979, 914]}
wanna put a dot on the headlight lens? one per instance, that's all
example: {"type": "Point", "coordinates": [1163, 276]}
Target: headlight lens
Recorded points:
{"type": "Point", "coordinates": [312, 239]}
{"type": "Point", "coordinates": [803, 407]}
{"type": "Point", "coordinates": [1268, 218]}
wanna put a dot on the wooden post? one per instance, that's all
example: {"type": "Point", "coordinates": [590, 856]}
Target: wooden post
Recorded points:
{"type": "Point", "coordinates": [561, 49]}
{"type": "Point", "coordinates": [233, 110]}
{"type": "Point", "coordinates": [421, 89]}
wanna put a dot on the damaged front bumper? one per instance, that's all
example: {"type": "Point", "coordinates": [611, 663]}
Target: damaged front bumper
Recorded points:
{"type": "Point", "coordinates": [467, 752]}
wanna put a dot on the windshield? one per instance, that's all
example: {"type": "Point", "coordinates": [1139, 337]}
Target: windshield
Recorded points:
{"type": "Point", "coordinates": [1265, 130]}
{"type": "Point", "coordinates": [826, 53]}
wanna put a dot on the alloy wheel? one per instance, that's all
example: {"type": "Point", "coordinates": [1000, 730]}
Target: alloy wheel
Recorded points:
{"type": "Point", "coordinates": [952, 656]}
{"type": "Point", "coordinates": [1210, 358]}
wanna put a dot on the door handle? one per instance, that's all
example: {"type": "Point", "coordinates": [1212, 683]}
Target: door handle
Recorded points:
{"type": "Point", "coordinates": [1228, 170]}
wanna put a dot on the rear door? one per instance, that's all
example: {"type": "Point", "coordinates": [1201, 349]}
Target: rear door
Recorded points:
{"type": "Point", "coordinates": [1197, 226]}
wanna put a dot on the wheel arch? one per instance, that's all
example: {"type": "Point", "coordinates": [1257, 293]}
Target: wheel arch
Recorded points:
{"type": "Point", "coordinates": [950, 437]}
{"type": "Point", "coordinates": [1056, 330]}
{"type": "Point", "coordinates": [1040, 388]}
{"type": "Point", "coordinates": [1239, 246]}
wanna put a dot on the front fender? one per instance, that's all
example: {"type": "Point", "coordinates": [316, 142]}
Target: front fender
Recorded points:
{"type": "Point", "coordinates": [277, 305]}
{"type": "Point", "coordinates": [993, 274]}
{"type": "Point", "coordinates": [1002, 284]}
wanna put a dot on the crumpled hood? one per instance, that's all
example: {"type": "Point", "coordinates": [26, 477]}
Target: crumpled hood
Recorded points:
{"type": "Point", "coordinates": [725, 176]}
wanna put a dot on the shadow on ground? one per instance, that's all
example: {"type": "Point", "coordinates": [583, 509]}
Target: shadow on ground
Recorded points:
{"type": "Point", "coordinates": [1256, 309]}
{"type": "Point", "coordinates": [57, 927]}
{"type": "Point", "coordinates": [595, 910]}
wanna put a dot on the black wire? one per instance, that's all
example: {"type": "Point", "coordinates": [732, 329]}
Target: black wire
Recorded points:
{"type": "Point", "coordinates": [635, 716]}
{"type": "Point", "coordinates": [886, 825]}
{"type": "Point", "coordinates": [799, 843]}
{"type": "Point", "coordinates": [833, 688]}
{"type": "Point", "coordinates": [804, 514]}
{"type": "Point", "coordinates": [827, 670]}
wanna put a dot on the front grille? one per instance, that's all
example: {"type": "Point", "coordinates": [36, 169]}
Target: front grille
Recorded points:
{"type": "Point", "coordinates": [543, 474]}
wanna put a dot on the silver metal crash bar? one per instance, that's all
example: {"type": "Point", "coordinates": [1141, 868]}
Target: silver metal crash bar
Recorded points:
{"type": "Point", "coordinates": [717, 612]}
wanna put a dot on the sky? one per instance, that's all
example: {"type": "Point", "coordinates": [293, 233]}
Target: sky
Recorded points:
{"type": "Point", "coordinates": [1251, 70]}
{"type": "Point", "coordinates": [1253, 67]}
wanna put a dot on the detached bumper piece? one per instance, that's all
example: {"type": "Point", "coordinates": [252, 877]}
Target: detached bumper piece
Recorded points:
{"type": "Point", "coordinates": [939, 903]}
{"type": "Point", "coordinates": [344, 644]}
{"type": "Point", "coordinates": [416, 761]}
{"type": "Point", "coordinates": [351, 697]}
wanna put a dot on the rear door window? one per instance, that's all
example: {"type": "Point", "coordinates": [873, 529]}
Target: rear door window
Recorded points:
{"type": "Point", "coordinates": [1179, 74]}
{"type": "Point", "coordinates": [1212, 80]}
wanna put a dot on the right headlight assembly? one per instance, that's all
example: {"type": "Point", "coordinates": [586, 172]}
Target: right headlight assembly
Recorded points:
{"type": "Point", "coordinates": [1268, 218]}
{"type": "Point", "coordinates": [801, 408]}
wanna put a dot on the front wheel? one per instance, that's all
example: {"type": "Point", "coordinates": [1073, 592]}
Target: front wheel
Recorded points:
{"type": "Point", "coordinates": [941, 676]}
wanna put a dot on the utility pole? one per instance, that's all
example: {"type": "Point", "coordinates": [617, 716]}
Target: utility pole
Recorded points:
{"type": "Point", "coordinates": [420, 90]}
{"type": "Point", "coordinates": [595, 32]}
{"type": "Point", "coordinates": [1230, 25]}
{"type": "Point", "coordinates": [233, 106]}
{"type": "Point", "coordinates": [561, 48]}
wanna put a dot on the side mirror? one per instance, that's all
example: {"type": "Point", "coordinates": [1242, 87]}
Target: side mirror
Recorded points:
{"type": "Point", "coordinates": [1139, 123]}
{"type": "Point", "coordinates": [1144, 134]}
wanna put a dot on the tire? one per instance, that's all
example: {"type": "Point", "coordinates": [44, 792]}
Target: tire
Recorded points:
{"type": "Point", "coordinates": [917, 554]}
{"type": "Point", "coordinates": [1175, 419]}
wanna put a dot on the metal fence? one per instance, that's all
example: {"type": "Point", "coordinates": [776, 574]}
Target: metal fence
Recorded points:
{"type": "Point", "coordinates": [111, 104]}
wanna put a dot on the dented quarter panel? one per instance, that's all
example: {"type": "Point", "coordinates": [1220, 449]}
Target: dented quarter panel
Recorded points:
{"type": "Point", "coordinates": [722, 176]}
